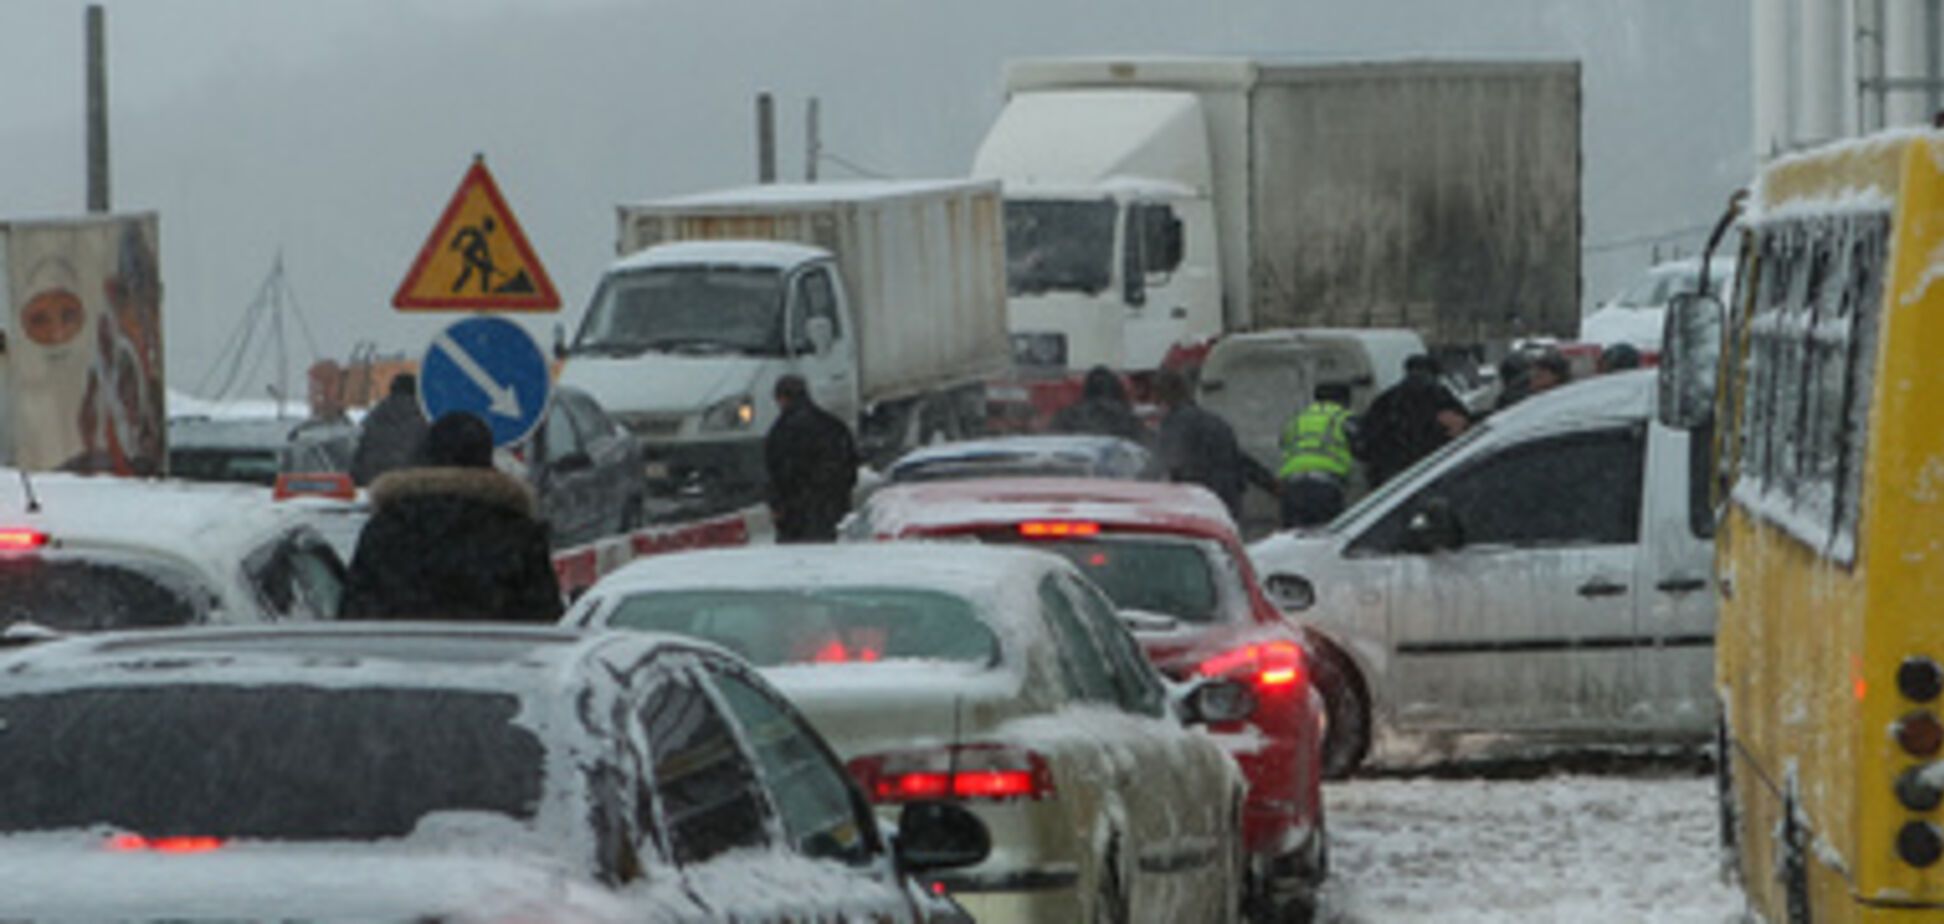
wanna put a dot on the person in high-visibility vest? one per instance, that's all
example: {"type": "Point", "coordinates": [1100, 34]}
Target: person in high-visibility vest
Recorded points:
{"type": "Point", "coordinates": [1317, 458]}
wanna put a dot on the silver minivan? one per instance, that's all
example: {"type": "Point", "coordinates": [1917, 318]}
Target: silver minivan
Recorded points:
{"type": "Point", "coordinates": [1548, 572]}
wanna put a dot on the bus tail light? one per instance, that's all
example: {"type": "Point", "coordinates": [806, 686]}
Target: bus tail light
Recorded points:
{"type": "Point", "coordinates": [1919, 733]}
{"type": "Point", "coordinates": [1921, 788]}
{"type": "Point", "coordinates": [1919, 679]}
{"type": "Point", "coordinates": [984, 772]}
{"type": "Point", "coordinates": [1919, 844]}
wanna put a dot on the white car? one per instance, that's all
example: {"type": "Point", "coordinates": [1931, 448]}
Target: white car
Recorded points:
{"type": "Point", "coordinates": [434, 772]}
{"type": "Point", "coordinates": [998, 678]}
{"type": "Point", "coordinates": [1549, 574]}
{"type": "Point", "coordinates": [1635, 315]}
{"type": "Point", "coordinates": [83, 553]}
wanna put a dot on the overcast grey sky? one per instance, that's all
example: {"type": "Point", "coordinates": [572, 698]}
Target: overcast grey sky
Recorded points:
{"type": "Point", "coordinates": [335, 131]}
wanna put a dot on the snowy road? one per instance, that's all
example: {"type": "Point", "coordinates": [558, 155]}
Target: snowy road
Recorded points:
{"type": "Point", "coordinates": [1579, 849]}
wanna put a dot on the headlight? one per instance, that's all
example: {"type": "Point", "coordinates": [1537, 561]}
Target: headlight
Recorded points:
{"type": "Point", "coordinates": [735, 413]}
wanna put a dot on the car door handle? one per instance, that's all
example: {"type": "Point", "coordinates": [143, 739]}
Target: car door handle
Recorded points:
{"type": "Point", "coordinates": [1682, 585]}
{"type": "Point", "coordinates": [1600, 587]}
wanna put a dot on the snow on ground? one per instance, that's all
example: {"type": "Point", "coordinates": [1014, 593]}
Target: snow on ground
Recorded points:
{"type": "Point", "coordinates": [1570, 848]}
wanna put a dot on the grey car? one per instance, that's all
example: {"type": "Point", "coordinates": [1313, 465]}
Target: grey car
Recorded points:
{"type": "Point", "coordinates": [587, 470]}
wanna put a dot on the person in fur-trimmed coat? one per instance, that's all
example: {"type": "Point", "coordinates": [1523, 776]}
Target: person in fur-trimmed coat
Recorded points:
{"type": "Point", "coordinates": [454, 539]}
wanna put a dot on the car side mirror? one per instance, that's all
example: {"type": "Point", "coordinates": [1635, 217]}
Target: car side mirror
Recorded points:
{"type": "Point", "coordinates": [1433, 527]}
{"type": "Point", "coordinates": [1691, 337]}
{"type": "Point", "coordinates": [1217, 701]}
{"type": "Point", "coordinates": [940, 835]}
{"type": "Point", "coordinates": [1289, 592]}
{"type": "Point", "coordinates": [822, 334]}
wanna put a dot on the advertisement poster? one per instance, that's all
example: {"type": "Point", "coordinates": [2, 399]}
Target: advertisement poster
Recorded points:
{"type": "Point", "coordinates": [84, 345]}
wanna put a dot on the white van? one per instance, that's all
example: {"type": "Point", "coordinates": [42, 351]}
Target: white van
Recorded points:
{"type": "Point", "coordinates": [1548, 572]}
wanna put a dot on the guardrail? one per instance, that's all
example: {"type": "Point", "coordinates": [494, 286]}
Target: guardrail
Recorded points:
{"type": "Point", "coordinates": [579, 567]}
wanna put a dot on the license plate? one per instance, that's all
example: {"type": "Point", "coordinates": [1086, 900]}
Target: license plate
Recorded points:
{"type": "Point", "coordinates": [656, 471]}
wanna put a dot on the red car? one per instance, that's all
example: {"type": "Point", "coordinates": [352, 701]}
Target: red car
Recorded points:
{"type": "Point", "coordinates": [1169, 557]}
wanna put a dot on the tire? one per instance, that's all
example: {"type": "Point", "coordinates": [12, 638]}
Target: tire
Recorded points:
{"type": "Point", "coordinates": [1347, 703]}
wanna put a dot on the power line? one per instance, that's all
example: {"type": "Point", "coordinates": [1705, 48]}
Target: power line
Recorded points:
{"type": "Point", "coordinates": [852, 166]}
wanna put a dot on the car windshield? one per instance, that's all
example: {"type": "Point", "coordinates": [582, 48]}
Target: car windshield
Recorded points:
{"type": "Point", "coordinates": [279, 762]}
{"type": "Point", "coordinates": [1059, 245]}
{"type": "Point", "coordinates": [73, 592]}
{"type": "Point", "coordinates": [822, 625]}
{"type": "Point", "coordinates": [708, 309]}
{"type": "Point", "coordinates": [1172, 577]}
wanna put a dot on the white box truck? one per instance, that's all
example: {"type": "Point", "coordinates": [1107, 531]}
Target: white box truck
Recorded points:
{"type": "Point", "coordinates": [1154, 202]}
{"type": "Point", "coordinates": [888, 297]}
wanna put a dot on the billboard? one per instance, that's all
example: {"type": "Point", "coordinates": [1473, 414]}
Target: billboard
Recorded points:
{"type": "Point", "coordinates": [82, 373]}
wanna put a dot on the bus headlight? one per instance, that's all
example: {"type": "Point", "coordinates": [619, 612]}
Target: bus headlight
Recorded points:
{"type": "Point", "coordinates": [1919, 844]}
{"type": "Point", "coordinates": [1919, 679]}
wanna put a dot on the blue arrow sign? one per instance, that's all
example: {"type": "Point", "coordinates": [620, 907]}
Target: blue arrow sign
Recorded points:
{"type": "Point", "coordinates": [491, 368]}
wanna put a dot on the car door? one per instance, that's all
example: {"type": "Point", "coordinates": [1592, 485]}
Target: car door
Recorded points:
{"type": "Point", "coordinates": [1529, 623]}
{"type": "Point", "coordinates": [824, 819]}
{"type": "Point", "coordinates": [813, 294]}
{"type": "Point", "coordinates": [1677, 600]}
{"type": "Point", "coordinates": [563, 477]}
{"type": "Point", "coordinates": [1186, 862]}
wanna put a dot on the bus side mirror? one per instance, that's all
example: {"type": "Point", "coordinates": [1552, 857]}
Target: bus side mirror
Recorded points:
{"type": "Point", "coordinates": [1690, 360]}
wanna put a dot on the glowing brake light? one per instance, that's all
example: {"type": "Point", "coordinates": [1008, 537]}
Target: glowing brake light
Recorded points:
{"type": "Point", "coordinates": [128, 843]}
{"type": "Point", "coordinates": [20, 540]}
{"type": "Point", "coordinates": [1266, 664]}
{"type": "Point", "coordinates": [967, 772]}
{"type": "Point", "coordinates": [1058, 529]}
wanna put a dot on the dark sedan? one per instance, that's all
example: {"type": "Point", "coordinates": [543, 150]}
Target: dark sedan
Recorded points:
{"type": "Point", "coordinates": [586, 469]}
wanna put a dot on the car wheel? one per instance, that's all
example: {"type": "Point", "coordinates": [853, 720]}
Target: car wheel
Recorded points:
{"type": "Point", "coordinates": [1347, 704]}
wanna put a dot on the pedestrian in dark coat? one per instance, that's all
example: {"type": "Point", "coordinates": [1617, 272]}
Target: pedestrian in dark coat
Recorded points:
{"type": "Point", "coordinates": [455, 539]}
{"type": "Point", "coordinates": [393, 434]}
{"type": "Point", "coordinates": [1409, 421]}
{"type": "Point", "coordinates": [1103, 409]}
{"type": "Point", "coordinates": [1199, 447]}
{"type": "Point", "coordinates": [812, 462]}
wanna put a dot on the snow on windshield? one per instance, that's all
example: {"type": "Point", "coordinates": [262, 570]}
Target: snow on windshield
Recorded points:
{"type": "Point", "coordinates": [687, 308]}
{"type": "Point", "coordinates": [1059, 246]}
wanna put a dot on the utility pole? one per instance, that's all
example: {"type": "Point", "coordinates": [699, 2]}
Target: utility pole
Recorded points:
{"type": "Point", "coordinates": [765, 138]}
{"type": "Point", "coordinates": [812, 142]}
{"type": "Point", "coordinates": [97, 111]}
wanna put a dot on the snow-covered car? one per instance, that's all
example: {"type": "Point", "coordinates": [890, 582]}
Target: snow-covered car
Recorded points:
{"type": "Point", "coordinates": [1549, 573]}
{"type": "Point", "coordinates": [1170, 559]}
{"type": "Point", "coordinates": [80, 553]}
{"type": "Point", "coordinates": [256, 450]}
{"type": "Point", "coordinates": [1635, 315]}
{"type": "Point", "coordinates": [1048, 455]}
{"type": "Point", "coordinates": [435, 772]}
{"type": "Point", "coordinates": [997, 678]}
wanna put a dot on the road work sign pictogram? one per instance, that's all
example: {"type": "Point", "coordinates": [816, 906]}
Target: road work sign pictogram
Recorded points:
{"type": "Point", "coordinates": [477, 257]}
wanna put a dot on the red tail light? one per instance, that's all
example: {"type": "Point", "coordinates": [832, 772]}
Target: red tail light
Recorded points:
{"type": "Point", "coordinates": [1058, 529]}
{"type": "Point", "coordinates": [21, 540]}
{"type": "Point", "coordinates": [1265, 664]}
{"type": "Point", "coordinates": [969, 772]}
{"type": "Point", "coordinates": [136, 842]}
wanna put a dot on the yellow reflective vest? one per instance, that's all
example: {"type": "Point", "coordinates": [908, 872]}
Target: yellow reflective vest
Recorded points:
{"type": "Point", "coordinates": [1317, 440]}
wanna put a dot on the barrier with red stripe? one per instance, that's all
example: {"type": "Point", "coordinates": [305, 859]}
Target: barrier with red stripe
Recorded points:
{"type": "Point", "coordinates": [578, 568]}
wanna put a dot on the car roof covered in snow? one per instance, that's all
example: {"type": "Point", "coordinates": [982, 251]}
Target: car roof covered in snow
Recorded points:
{"type": "Point", "coordinates": [212, 524]}
{"type": "Point", "coordinates": [347, 654]}
{"type": "Point", "coordinates": [1617, 397]}
{"type": "Point", "coordinates": [1072, 454]}
{"type": "Point", "coordinates": [964, 570]}
{"type": "Point", "coordinates": [762, 254]}
{"type": "Point", "coordinates": [945, 507]}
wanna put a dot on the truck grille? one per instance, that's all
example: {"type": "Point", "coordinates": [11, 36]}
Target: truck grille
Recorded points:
{"type": "Point", "coordinates": [652, 425]}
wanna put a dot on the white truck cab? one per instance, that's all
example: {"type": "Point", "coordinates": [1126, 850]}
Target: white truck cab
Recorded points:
{"type": "Point", "coordinates": [683, 344]}
{"type": "Point", "coordinates": [1548, 572]}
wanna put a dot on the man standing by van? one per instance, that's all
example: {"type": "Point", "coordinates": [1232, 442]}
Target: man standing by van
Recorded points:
{"type": "Point", "coordinates": [1316, 458]}
{"type": "Point", "coordinates": [812, 462]}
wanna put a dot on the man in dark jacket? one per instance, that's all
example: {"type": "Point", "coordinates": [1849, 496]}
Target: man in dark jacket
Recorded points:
{"type": "Point", "coordinates": [1103, 409]}
{"type": "Point", "coordinates": [456, 539]}
{"type": "Point", "coordinates": [1409, 421]}
{"type": "Point", "coordinates": [812, 462]}
{"type": "Point", "coordinates": [393, 434]}
{"type": "Point", "coordinates": [1199, 447]}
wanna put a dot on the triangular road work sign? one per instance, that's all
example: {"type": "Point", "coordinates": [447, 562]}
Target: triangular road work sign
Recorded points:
{"type": "Point", "coordinates": [477, 257]}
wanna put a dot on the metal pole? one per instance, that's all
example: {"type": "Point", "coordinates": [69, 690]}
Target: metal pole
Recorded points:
{"type": "Point", "coordinates": [1934, 55]}
{"type": "Point", "coordinates": [765, 138]}
{"type": "Point", "coordinates": [97, 111]}
{"type": "Point", "coordinates": [812, 142]}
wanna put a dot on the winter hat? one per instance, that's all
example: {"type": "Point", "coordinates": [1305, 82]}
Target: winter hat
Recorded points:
{"type": "Point", "coordinates": [459, 440]}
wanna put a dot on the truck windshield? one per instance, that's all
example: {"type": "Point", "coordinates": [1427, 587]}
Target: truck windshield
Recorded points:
{"type": "Point", "coordinates": [1059, 245]}
{"type": "Point", "coordinates": [700, 309]}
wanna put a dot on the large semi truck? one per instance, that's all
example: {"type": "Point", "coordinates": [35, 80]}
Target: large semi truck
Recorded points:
{"type": "Point", "coordinates": [1156, 202]}
{"type": "Point", "coordinates": [887, 297]}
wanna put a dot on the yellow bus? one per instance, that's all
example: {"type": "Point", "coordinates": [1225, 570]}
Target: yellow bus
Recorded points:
{"type": "Point", "coordinates": [1829, 420]}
